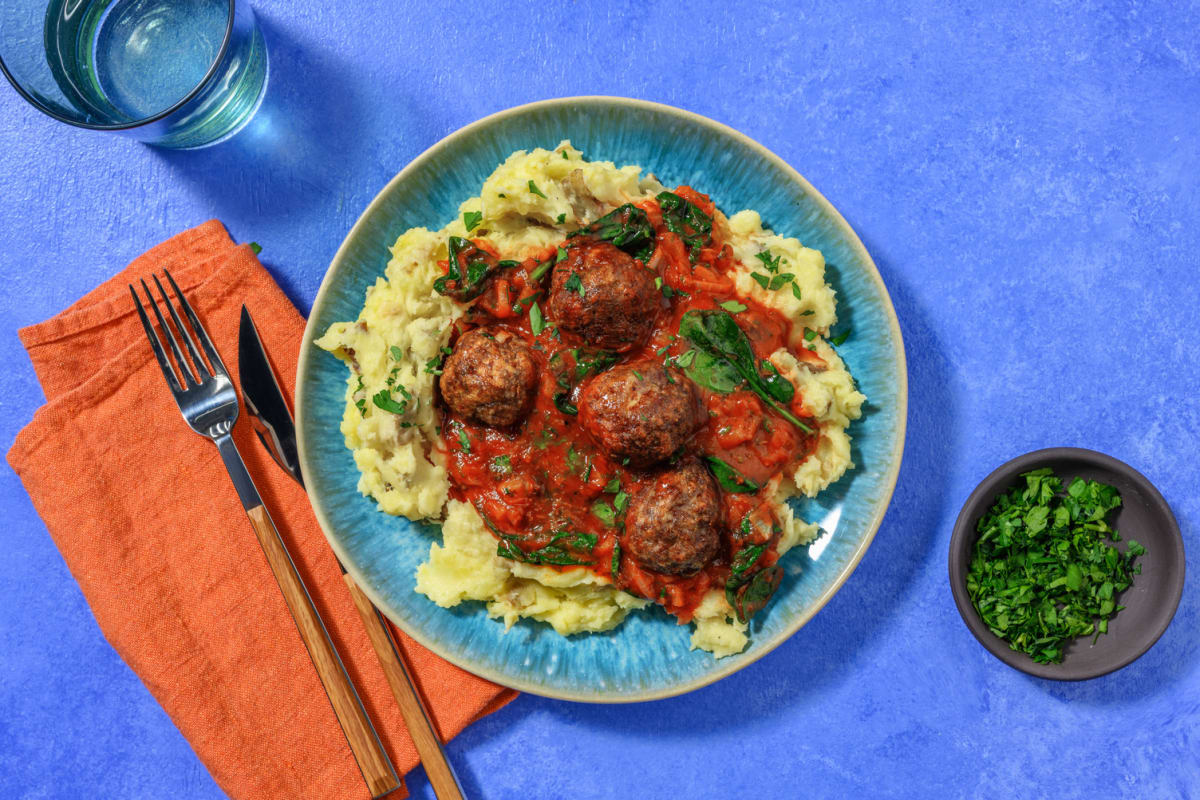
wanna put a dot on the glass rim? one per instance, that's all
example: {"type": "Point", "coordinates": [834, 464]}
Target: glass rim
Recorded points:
{"type": "Point", "coordinates": [123, 126]}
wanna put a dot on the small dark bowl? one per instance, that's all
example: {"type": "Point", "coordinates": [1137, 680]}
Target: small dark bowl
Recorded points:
{"type": "Point", "coordinates": [1151, 600]}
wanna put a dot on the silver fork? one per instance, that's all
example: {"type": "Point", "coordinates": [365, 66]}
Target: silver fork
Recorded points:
{"type": "Point", "coordinates": [208, 401]}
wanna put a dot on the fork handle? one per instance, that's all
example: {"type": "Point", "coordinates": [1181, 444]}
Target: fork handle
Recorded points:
{"type": "Point", "coordinates": [364, 743]}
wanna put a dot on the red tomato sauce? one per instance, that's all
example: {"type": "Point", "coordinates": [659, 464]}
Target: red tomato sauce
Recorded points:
{"type": "Point", "coordinates": [552, 497]}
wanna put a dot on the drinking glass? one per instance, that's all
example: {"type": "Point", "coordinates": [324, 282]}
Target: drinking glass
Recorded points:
{"type": "Point", "coordinates": [174, 73]}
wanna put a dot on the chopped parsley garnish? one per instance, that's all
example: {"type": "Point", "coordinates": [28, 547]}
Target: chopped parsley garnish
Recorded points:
{"type": "Point", "coordinates": [613, 486]}
{"type": "Point", "coordinates": [841, 337]}
{"type": "Point", "coordinates": [616, 562]}
{"type": "Point", "coordinates": [502, 465]}
{"type": "Point", "coordinates": [769, 261]}
{"type": "Point", "coordinates": [463, 441]}
{"type": "Point", "coordinates": [533, 187]}
{"type": "Point", "coordinates": [397, 353]}
{"type": "Point", "coordinates": [658, 283]}
{"type": "Point", "coordinates": [686, 359]}
{"type": "Point", "coordinates": [574, 284]}
{"type": "Point", "coordinates": [360, 402]}
{"type": "Point", "coordinates": [605, 513]}
{"type": "Point", "coordinates": [560, 219]}
{"type": "Point", "coordinates": [809, 334]}
{"type": "Point", "coordinates": [733, 306]}
{"type": "Point", "coordinates": [560, 256]}
{"type": "Point", "coordinates": [762, 280]}
{"type": "Point", "coordinates": [537, 323]}
{"type": "Point", "coordinates": [1042, 572]}
{"type": "Point", "coordinates": [638, 375]}
{"type": "Point", "coordinates": [779, 280]}
{"type": "Point", "coordinates": [255, 248]}
{"type": "Point", "coordinates": [621, 501]}
{"type": "Point", "coordinates": [471, 219]}
{"type": "Point", "coordinates": [796, 291]}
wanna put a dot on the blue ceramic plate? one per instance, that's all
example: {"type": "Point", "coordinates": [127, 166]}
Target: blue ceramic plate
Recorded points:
{"type": "Point", "coordinates": [647, 656]}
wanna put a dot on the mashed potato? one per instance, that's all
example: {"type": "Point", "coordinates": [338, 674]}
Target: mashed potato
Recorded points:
{"type": "Point", "coordinates": [404, 325]}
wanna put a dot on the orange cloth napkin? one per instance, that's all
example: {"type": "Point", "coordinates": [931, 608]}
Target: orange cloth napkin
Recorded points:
{"type": "Point", "coordinates": [146, 518]}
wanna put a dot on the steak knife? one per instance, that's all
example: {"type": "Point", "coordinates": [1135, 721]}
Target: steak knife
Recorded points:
{"type": "Point", "coordinates": [273, 423]}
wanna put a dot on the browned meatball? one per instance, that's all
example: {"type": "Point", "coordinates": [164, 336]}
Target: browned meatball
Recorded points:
{"type": "Point", "coordinates": [601, 295]}
{"type": "Point", "coordinates": [671, 524]}
{"type": "Point", "coordinates": [490, 377]}
{"type": "Point", "coordinates": [642, 412]}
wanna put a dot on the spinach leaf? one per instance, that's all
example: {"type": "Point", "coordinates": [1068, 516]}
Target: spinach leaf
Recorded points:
{"type": "Point", "coordinates": [591, 362]}
{"type": "Point", "coordinates": [714, 374]}
{"type": "Point", "coordinates": [687, 221]}
{"type": "Point", "coordinates": [744, 559]}
{"type": "Point", "coordinates": [470, 269]}
{"type": "Point", "coordinates": [587, 362]}
{"type": "Point", "coordinates": [557, 551]}
{"type": "Point", "coordinates": [715, 333]}
{"type": "Point", "coordinates": [627, 227]}
{"type": "Point", "coordinates": [753, 596]}
{"type": "Point", "coordinates": [730, 479]}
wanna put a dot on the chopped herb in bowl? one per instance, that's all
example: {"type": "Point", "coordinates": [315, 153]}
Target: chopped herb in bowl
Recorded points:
{"type": "Point", "coordinates": [1045, 569]}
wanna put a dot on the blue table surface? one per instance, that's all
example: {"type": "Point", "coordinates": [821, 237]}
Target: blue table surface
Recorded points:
{"type": "Point", "coordinates": [1028, 181]}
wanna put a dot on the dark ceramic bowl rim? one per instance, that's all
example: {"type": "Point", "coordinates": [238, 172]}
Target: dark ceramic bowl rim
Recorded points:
{"type": "Point", "coordinates": [964, 537]}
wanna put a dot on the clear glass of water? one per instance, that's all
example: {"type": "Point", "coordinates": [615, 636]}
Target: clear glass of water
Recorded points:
{"type": "Point", "coordinates": [174, 73]}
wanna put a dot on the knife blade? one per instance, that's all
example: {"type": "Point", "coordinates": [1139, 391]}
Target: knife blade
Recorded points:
{"type": "Point", "coordinates": [268, 407]}
{"type": "Point", "coordinates": [265, 399]}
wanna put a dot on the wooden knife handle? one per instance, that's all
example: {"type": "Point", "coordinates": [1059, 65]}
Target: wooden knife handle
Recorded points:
{"type": "Point", "coordinates": [376, 769]}
{"type": "Point", "coordinates": [429, 747]}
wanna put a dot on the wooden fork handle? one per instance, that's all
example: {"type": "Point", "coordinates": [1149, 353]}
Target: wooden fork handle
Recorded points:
{"type": "Point", "coordinates": [441, 776]}
{"type": "Point", "coordinates": [376, 769]}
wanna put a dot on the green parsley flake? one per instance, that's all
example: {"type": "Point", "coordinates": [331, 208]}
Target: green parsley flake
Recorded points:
{"type": "Point", "coordinates": [574, 284]}
{"type": "Point", "coordinates": [769, 261]}
{"type": "Point", "coordinates": [1042, 573]}
{"type": "Point", "coordinates": [733, 306]}
{"type": "Point", "coordinates": [463, 440]}
{"type": "Point", "coordinates": [560, 219]}
{"type": "Point", "coordinates": [471, 220]}
{"type": "Point", "coordinates": [537, 322]}
{"type": "Point", "coordinates": [841, 337]}
{"type": "Point", "coordinates": [534, 188]}
{"type": "Point", "coordinates": [809, 334]}
{"type": "Point", "coordinates": [560, 256]}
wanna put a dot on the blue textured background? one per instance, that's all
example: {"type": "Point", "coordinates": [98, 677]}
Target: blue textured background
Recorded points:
{"type": "Point", "coordinates": [1028, 182]}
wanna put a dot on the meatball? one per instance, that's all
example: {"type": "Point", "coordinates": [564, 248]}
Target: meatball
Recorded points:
{"type": "Point", "coordinates": [490, 377]}
{"type": "Point", "coordinates": [670, 526]}
{"type": "Point", "coordinates": [599, 294]}
{"type": "Point", "coordinates": [643, 412]}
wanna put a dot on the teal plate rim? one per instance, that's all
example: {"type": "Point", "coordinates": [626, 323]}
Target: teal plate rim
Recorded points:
{"type": "Point", "coordinates": [758, 648]}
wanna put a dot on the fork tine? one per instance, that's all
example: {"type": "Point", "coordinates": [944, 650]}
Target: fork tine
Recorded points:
{"type": "Point", "coordinates": [213, 357]}
{"type": "Point", "coordinates": [156, 344]}
{"type": "Point", "coordinates": [201, 368]}
{"type": "Point", "coordinates": [188, 378]}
